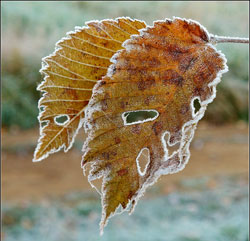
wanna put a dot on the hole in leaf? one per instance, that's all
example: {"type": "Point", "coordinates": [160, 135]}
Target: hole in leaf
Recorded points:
{"type": "Point", "coordinates": [95, 183]}
{"type": "Point", "coordinates": [142, 161]}
{"type": "Point", "coordinates": [41, 108]}
{"type": "Point", "coordinates": [196, 105]}
{"type": "Point", "coordinates": [44, 123]}
{"type": "Point", "coordinates": [61, 119]}
{"type": "Point", "coordinates": [171, 148]}
{"type": "Point", "coordinates": [139, 116]}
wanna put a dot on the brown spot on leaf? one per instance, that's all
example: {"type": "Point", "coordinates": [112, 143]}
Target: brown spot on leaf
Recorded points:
{"type": "Point", "coordinates": [117, 140]}
{"type": "Point", "coordinates": [171, 139]}
{"type": "Point", "coordinates": [154, 62]}
{"type": "Point", "coordinates": [142, 85]}
{"type": "Point", "coordinates": [113, 153]}
{"type": "Point", "coordinates": [171, 77]}
{"type": "Point", "coordinates": [122, 172]}
{"type": "Point", "coordinates": [136, 129]}
{"type": "Point", "coordinates": [146, 101]}
{"type": "Point", "coordinates": [157, 127]}
{"type": "Point", "coordinates": [174, 138]}
{"type": "Point", "coordinates": [187, 62]}
{"type": "Point", "coordinates": [105, 155]}
{"type": "Point", "coordinates": [130, 195]}
{"type": "Point", "coordinates": [101, 83]}
{"type": "Point", "coordinates": [175, 51]}
{"type": "Point", "coordinates": [122, 104]}
{"type": "Point", "coordinates": [184, 108]}
{"type": "Point", "coordinates": [198, 91]}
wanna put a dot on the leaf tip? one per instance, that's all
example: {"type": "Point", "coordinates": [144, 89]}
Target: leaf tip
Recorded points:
{"type": "Point", "coordinates": [103, 223]}
{"type": "Point", "coordinates": [36, 158]}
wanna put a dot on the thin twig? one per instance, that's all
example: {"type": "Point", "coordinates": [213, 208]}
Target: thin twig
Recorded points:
{"type": "Point", "coordinates": [221, 39]}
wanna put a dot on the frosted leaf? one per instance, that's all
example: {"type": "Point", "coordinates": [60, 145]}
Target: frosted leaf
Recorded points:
{"type": "Point", "coordinates": [165, 68]}
{"type": "Point", "coordinates": [79, 61]}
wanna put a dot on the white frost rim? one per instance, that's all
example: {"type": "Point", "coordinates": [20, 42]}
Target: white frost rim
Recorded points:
{"type": "Point", "coordinates": [139, 121]}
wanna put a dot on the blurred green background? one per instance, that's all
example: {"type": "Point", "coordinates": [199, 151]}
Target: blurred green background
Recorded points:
{"type": "Point", "coordinates": [31, 29]}
{"type": "Point", "coordinates": [51, 200]}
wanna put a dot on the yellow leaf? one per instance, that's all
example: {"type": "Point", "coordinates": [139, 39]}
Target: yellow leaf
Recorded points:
{"type": "Point", "coordinates": [164, 69]}
{"type": "Point", "coordinates": [79, 60]}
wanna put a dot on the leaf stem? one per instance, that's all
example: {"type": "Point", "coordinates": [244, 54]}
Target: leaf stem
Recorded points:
{"type": "Point", "coordinates": [221, 39]}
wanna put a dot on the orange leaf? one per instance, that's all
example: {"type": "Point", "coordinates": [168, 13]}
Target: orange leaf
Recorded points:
{"type": "Point", "coordinates": [79, 60]}
{"type": "Point", "coordinates": [164, 69]}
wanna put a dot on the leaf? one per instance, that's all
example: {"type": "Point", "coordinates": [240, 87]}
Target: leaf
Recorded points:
{"type": "Point", "coordinates": [79, 60]}
{"type": "Point", "coordinates": [165, 69]}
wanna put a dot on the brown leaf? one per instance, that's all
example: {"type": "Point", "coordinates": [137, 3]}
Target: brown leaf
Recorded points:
{"type": "Point", "coordinates": [165, 69]}
{"type": "Point", "coordinates": [79, 60]}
